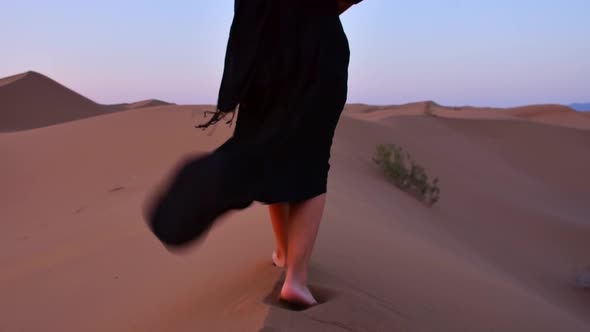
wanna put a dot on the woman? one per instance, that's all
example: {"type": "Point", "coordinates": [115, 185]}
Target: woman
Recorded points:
{"type": "Point", "coordinates": [286, 67]}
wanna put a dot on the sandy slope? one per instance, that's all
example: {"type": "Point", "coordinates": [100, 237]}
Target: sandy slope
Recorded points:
{"type": "Point", "coordinates": [32, 100]}
{"type": "Point", "coordinates": [495, 254]}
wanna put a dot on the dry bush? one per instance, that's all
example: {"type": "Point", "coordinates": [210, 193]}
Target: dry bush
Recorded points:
{"type": "Point", "coordinates": [407, 175]}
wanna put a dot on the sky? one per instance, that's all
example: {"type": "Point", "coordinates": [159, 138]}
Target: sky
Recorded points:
{"type": "Point", "coordinates": [455, 52]}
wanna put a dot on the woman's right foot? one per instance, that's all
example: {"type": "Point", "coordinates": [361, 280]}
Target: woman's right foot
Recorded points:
{"type": "Point", "coordinates": [297, 295]}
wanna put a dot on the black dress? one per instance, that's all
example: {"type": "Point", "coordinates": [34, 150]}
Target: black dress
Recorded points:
{"type": "Point", "coordinates": [286, 67]}
{"type": "Point", "coordinates": [298, 168]}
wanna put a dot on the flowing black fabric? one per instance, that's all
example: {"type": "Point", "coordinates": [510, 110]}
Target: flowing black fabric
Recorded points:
{"type": "Point", "coordinates": [286, 67]}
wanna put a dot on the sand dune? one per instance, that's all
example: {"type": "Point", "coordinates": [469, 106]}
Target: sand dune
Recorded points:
{"type": "Point", "coordinates": [556, 115]}
{"type": "Point", "coordinates": [139, 104]}
{"type": "Point", "coordinates": [377, 113]}
{"type": "Point", "coordinates": [147, 103]}
{"type": "Point", "coordinates": [552, 114]}
{"type": "Point", "coordinates": [32, 100]}
{"type": "Point", "coordinates": [495, 254]}
{"type": "Point", "coordinates": [537, 111]}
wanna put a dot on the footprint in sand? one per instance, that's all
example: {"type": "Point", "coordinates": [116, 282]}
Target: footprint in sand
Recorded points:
{"type": "Point", "coordinates": [119, 188]}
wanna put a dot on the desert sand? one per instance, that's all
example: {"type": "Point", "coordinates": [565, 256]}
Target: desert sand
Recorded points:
{"type": "Point", "coordinates": [496, 253]}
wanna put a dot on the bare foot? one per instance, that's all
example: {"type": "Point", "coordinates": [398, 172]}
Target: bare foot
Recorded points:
{"type": "Point", "coordinates": [297, 295]}
{"type": "Point", "coordinates": [278, 259]}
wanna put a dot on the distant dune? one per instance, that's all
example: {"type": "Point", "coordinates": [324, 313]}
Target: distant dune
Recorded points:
{"type": "Point", "coordinates": [147, 103]}
{"type": "Point", "coordinates": [537, 111]}
{"type": "Point", "coordinates": [557, 115]}
{"type": "Point", "coordinates": [31, 100]}
{"type": "Point", "coordinates": [552, 114]}
{"type": "Point", "coordinates": [140, 104]}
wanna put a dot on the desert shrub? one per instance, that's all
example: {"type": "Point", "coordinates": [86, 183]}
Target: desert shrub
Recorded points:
{"type": "Point", "coordinates": [407, 175]}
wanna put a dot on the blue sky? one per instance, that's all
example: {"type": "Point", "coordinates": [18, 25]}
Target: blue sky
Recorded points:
{"type": "Point", "coordinates": [456, 52]}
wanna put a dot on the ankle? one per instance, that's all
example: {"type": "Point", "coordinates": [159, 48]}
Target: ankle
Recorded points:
{"type": "Point", "coordinates": [297, 278]}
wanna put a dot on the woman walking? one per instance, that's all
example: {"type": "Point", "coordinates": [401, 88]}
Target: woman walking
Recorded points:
{"type": "Point", "coordinates": [286, 67]}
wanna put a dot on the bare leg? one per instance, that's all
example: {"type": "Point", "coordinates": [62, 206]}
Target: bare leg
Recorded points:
{"type": "Point", "coordinates": [279, 217]}
{"type": "Point", "coordinates": [304, 222]}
